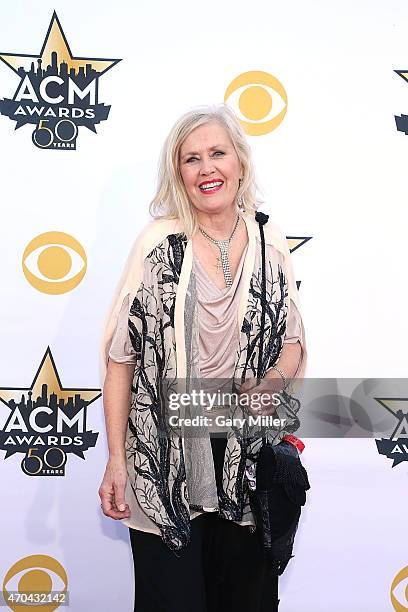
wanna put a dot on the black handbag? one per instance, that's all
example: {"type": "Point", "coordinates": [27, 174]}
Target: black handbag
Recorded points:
{"type": "Point", "coordinates": [280, 489]}
{"type": "Point", "coordinates": [277, 481]}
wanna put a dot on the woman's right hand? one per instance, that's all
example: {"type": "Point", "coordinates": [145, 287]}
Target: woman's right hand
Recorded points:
{"type": "Point", "coordinates": [112, 490]}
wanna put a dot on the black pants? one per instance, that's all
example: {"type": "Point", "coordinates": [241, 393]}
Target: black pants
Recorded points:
{"type": "Point", "coordinates": [221, 570]}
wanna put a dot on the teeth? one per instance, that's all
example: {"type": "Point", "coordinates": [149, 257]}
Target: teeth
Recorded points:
{"type": "Point", "coordinates": [211, 185]}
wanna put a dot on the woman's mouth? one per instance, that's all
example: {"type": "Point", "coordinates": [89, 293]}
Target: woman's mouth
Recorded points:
{"type": "Point", "coordinates": [209, 187]}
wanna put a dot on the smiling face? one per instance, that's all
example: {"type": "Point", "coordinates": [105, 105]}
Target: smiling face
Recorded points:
{"type": "Point", "coordinates": [210, 168]}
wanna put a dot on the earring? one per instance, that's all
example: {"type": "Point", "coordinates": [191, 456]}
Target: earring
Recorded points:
{"type": "Point", "coordinates": [240, 199]}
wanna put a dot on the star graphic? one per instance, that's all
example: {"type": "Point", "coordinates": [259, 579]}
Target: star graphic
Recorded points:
{"type": "Point", "coordinates": [295, 242]}
{"type": "Point", "coordinates": [56, 42]}
{"type": "Point", "coordinates": [403, 74]}
{"type": "Point", "coordinates": [395, 405]}
{"type": "Point", "coordinates": [47, 375]}
{"type": "Point", "coordinates": [395, 447]}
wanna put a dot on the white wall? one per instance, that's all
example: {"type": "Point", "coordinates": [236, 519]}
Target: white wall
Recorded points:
{"type": "Point", "coordinates": [333, 170]}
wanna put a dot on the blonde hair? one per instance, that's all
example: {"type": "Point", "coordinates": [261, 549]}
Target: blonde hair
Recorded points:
{"type": "Point", "coordinates": [171, 200]}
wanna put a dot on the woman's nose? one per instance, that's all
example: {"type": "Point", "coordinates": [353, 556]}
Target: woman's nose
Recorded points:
{"type": "Point", "coordinates": [207, 165]}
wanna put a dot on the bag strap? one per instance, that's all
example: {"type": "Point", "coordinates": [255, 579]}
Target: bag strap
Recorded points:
{"type": "Point", "coordinates": [261, 218]}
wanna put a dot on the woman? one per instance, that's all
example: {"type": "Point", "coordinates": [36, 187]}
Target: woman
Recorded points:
{"type": "Point", "coordinates": [188, 309]}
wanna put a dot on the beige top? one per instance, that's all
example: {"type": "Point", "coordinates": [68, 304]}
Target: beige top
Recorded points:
{"type": "Point", "coordinates": [155, 232]}
{"type": "Point", "coordinates": [218, 335]}
{"type": "Point", "coordinates": [218, 345]}
{"type": "Point", "coordinates": [218, 330]}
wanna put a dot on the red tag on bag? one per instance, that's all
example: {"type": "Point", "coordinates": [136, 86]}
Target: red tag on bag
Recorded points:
{"type": "Point", "coordinates": [295, 441]}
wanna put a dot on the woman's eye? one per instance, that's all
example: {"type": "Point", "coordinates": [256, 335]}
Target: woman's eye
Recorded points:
{"type": "Point", "coordinates": [191, 160]}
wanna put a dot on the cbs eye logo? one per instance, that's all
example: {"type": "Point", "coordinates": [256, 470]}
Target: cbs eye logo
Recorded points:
{"type": "Point", "coordinates": [37, 581]}
{"type": "Point", "coordinates": [399, 591]}
{"type": "Point", "coordinates": [256, 102]}
{"type": "Point", "coordinates": [54, 263]}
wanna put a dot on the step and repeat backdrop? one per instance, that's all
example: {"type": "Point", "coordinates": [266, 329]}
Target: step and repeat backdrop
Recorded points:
{"type": "Point", "coordinates": [88, 92]}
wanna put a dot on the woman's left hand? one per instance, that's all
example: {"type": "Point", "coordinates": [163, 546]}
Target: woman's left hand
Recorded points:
{"type": "Point", "coordinates": [263, 398]}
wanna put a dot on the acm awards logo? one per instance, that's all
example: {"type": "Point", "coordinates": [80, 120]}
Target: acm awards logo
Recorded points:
{"type": "Point", "coordinates": [402, 121]}
{"type": "Point", "coordinates": [47, 422]}
{"type": "Point", "coordinates": [57, 92]}
{"type": "Point", "coordinates": [295, 242]}
{"type": "Point", "coordinates": [396, 447]}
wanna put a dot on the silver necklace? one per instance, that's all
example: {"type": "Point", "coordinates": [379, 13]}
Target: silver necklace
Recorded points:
{"type": "Point", "coordinates": [223, 246]}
